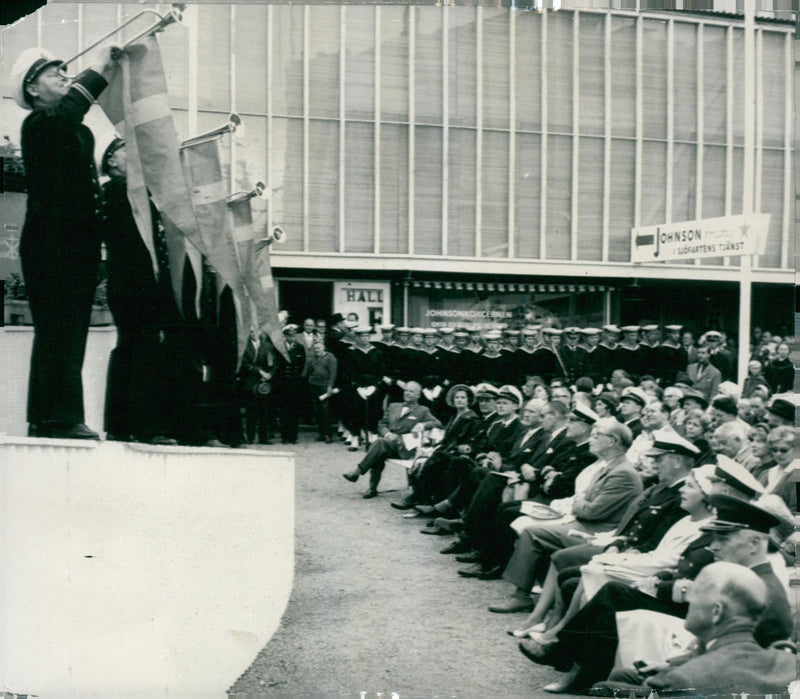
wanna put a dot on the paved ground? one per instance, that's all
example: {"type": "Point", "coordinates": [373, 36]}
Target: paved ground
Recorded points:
{"type": "Point", "coordinates": [376, 608]}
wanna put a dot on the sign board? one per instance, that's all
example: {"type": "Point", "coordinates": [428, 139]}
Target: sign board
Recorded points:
{"type": "Point", "coordinates": [366, 302]}
{"type": "Point", "coordinates": [708, 237]}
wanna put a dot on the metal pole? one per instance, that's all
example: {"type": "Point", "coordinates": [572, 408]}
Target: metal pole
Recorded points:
{"type": "Point", "coordinates": [745, 284]}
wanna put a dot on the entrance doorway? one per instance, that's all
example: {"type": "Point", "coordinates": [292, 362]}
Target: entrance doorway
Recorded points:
{"type": "Point", "coordinates": [305, 299]}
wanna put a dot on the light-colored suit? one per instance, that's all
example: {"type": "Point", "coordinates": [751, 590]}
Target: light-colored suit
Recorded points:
{"type": "Point", "coordinates": [708, 381]}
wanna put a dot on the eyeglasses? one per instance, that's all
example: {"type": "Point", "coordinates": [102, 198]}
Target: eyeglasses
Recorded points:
{"type": "Point", "coordinates": [780, 450]}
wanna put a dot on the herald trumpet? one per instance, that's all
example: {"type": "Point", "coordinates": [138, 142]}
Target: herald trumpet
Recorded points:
{"type": "Point", "coordinates": [238, 197]}
{"type": "Point", "coordinates": [234, 122]}
{"type": "Point", "coordinates": [276, 236]}
{"type": "Point", "coordinates": [175, 15]}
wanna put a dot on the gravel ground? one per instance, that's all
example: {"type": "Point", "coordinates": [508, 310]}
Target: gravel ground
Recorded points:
{"type": "Point", "coordinates": [376, 608]}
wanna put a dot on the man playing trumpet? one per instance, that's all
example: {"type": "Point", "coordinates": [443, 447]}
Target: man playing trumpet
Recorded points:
{"type": "Point", "coordinates": [60, 242]}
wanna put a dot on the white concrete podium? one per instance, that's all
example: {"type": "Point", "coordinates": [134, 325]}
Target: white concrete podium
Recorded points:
{"type": "Point", "coordinates": [139, 571]}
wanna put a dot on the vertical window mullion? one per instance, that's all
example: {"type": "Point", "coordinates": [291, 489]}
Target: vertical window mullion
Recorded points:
{"type": "Point", "coordinates": [576, 91]}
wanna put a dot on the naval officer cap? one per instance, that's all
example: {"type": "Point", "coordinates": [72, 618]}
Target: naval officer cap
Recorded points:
{"type": "Point", "coordinates": [584, 413]}
{"type": "Point", "coordinates": [735, 514]}
{"type": "Point", "coordinates": [635, 394]}
{"type": "Point", "coordinates": [289, 329]}
{"type": "Point", "coordinates": [510, 393]}
{"type": "Point", "coordinates": [737, 477]}
{"type": "Point", "coordinates": [111, 148]}
{"type": "Point", "coordinates": [486, 390]}
{"type": "Point", "coordinates": [29, 66]}
{"type": "Point", "coordinates": [670, 442]}
{"type": "Point", "coordinates": [571, 330]}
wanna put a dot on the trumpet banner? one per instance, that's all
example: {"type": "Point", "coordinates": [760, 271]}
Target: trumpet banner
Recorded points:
{"type": "Point", "coordinates": [137, 104]}
{"type": "Point", "coordinates": [203, 173]}
{"type": "Point", "coordinates": [256, 268]}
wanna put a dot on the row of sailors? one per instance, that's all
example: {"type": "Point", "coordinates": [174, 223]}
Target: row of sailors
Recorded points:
{"type": "Point", "coordinates": [446, 356]}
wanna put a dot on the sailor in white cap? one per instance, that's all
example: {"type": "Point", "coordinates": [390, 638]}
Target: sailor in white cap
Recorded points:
{"type": "Point", "coordinates": [60, 241]}
{"type": "Point", "coordinates": [572, 354]}
{"type": "Point", "coordinates": [626, 354]}
{"type": "Point", "coordinates": [364, 369]}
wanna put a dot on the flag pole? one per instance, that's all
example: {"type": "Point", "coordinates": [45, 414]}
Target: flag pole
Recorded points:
{"type": "Point", "coordinates": [745, 279]}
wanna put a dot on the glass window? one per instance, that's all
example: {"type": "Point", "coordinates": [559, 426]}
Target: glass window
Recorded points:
{"type": "Point", "coordinates": [428, 65]}
{"type": "Point", "coordinates": [684, 182]}
{"type": "Point", "coordinates": [559, 197]}
{"type": "Point", "coordinates": [621, 200]}
{"type": "Point", "coordinates": [654, 174]}
{"type": "Point", "coordinates": [394, 62]}
{"type": "Point", "coordinates": [495, 68]}
{"type": "Point", "coordinates": [323, 185]}
{"type": "Point", "coordinates": [287, 60]}
{"type": "Point", "coordinates": [494, 216]}
{"type": "Point", "coordinates": [529, 71]}
{"type": "Point", "coordinates": [714, 84]}
{"type": "Point", "coordinates": [590, 198]}
{"type": "Point", "coordinates": [394, 188]}
{"type": "Point", "coordinates": [623, 76]}
{"type": "Point", "coordinates": [360, 62]}
{"type": "Point", "coordinates": [324, 59]}
{"type": "Point", "coordinates": [654, 79]}
{"type": "Point", "coordinates": [591, 75]}
{"type": "Point", "coordinates": [428, 190]}
{"type": "Point", "coordinates": [774, 89]}
{"type": "Point", "coordinates": [772, 201]}
{"type": "Point", "coordinates": [214, 55]}
{"type": "Point", "coordinates": [461, 205]}
{"type": "Point", "coordinates": [528, 194]}
{"type": "Point", "coordinates": [286, 177]}
{"type": "Point", "coordinates": [685, 82]}
{"type": "Point", "coordinates": [559, 72]}
{"type": "Point", "coordinates": [359, 187]}
{"type": "Point", "coordinates": [462, 66]}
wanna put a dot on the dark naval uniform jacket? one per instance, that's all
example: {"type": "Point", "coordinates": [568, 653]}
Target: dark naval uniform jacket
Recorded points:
{"type": "Point", "coordinates": [60, 248]}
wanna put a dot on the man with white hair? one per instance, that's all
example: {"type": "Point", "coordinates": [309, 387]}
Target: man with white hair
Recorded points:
{"type": "Point", "coordinates": [730, 440]}
{"type": "Point", "coordinates": [725, 603]}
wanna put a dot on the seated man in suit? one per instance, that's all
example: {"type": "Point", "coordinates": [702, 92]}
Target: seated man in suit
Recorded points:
{"type": "Point", "coordinates": [725, 603]}
{"type": "Point", "coordinates": [598, 507]}
{"type": "Point", "coordinates": [399, 419]}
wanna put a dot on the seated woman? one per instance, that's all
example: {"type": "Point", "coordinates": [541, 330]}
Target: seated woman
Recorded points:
{"type": "Point", "coordinates": [757, 438]}
{"type": "Point", "coordinates": [425, 478]}
{"type": "Point", "coordinates": [695, 427]}
{"type": "Point", "coordinates": [632, 567]}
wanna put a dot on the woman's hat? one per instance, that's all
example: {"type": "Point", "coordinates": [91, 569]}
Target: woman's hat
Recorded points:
{"type": "Point", "coordinates": [459, 387]}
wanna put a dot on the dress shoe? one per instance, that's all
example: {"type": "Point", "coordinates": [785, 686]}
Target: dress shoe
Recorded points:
{"type": "Point", "coordinates": [76, 431]}
{"type": "Point", "coordinates": [425, 509]}
{"type": "Point", "coordinates": [570, 684]}
{"type": "Point", "coordinates": [541, 655]}
{"type": "Point", "coordinates": [351, 476]}
{"type": "Point", "coordinates": [471, 572]}
{"type": "Point", "coordinates": [491, 573]}
{"type": "Point", "coordinates": [458, 546]}
{"type": "Point", "coordinates": [450, 525]}
{"type": "Point", "coordinates": [43, 430]}
{"type": "Point", "coordinates": [435, 531]}
{"type": "Point", "coordinates": [469, 557]}
{"type": "Point", "coordinates": [411, 515]}
{"type": "Point", "coordinates": [404, 504]}
{"type": "Point", "coordinates": [512, 606]}
{"type": "Point", "coordinates": [371, 493]}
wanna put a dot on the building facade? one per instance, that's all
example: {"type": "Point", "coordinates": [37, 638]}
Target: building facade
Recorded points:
{"type": "Point", "coordinates": [479, 164]}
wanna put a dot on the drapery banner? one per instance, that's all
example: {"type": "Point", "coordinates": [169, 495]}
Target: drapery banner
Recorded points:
{"type": "Point", "coordinates": [136, 102]}
{"type": "Point", "coordinates": [202, 170]}
{"type": "Point", "coordinates": [257, 271]}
